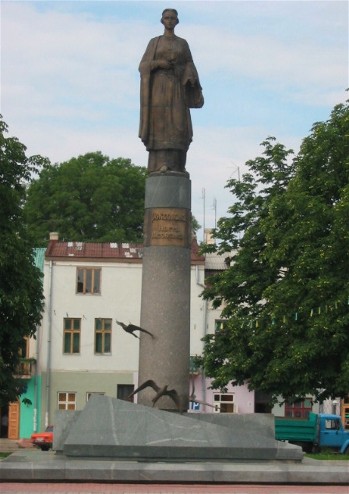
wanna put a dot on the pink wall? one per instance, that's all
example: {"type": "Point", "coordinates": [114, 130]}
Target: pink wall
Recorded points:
{"type": "Point", "coordinates": [243, 398]}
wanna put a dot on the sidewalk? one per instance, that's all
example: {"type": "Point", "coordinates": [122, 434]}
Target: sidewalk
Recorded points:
{"type": "Point", "coordinates": [77, 488]}
{"type": "Point", "coordinates": [8, 445]}
{"type": "Point", "coordinates": [12, 445]}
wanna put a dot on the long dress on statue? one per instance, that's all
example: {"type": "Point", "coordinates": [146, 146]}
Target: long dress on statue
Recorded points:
{"type": "Point", "coordinates": [166, 96]}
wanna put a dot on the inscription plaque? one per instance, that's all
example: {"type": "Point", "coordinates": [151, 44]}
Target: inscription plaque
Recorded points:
{"type": "Point", "coordinates": [167, 227]}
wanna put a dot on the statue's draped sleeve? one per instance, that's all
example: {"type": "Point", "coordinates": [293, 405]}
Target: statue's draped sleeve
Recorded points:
{"type": "Point", "coordinates": [192, 93]}
{"type": "Point", "coordinates": [145, 68]}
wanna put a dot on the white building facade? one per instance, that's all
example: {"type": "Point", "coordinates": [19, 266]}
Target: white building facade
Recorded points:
{"type": "Point", "coordinates": [81, 348]}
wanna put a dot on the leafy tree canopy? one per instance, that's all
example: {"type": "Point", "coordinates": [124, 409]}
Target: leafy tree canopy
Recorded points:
{"type": "Point", "coordinates": [20, 281]}
{"type": "Point", "coordinates": [285, 296]}
{"type": "Point", "coordinates": [195, 225]}
{"type": "Point", "coordinates": [89, 198]}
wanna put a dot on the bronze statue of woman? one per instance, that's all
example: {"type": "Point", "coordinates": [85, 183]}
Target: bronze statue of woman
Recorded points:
{"type": "Point", "coordinates": [169, 87]}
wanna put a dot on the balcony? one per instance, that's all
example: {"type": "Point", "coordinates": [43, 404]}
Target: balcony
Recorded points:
{"type": "Point", "coordinates": [26, 368]}
{"type": "Point", "coordinates": [194, 369]}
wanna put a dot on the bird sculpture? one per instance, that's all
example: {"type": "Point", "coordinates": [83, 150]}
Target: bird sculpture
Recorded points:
{"type": "Point", "coordinates": [131, 328]}
{"type": "Point", "coordinates": [164, 391]}
{"type": "Point", "coordinates": [172, 393]}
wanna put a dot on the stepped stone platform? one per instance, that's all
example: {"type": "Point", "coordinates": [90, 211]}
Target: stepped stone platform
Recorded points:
{"type": "Point", "coordinates": [39, 466]}
{"type": "Point", "coordinates": [117, 441]}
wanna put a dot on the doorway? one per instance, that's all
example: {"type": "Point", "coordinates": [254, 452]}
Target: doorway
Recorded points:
{"type": "Point", "coordinates": [4, 422]}
{"type": "Point", "coordinates": [13, 421]}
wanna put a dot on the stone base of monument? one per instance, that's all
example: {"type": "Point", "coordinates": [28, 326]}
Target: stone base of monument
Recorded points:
{"type": "Point", "coordinates": [111, 428]}
{"type": "Point", "coordinates": [115, 441]}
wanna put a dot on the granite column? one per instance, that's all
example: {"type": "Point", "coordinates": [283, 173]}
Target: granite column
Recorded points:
{"type": "Point", "coordinates": [165, 306]}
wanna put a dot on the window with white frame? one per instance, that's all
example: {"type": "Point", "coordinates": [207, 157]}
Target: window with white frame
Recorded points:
{"type": "Point", "coordinates": [224, 403]}
{"type": "Point", "coordinates": [66, 400]}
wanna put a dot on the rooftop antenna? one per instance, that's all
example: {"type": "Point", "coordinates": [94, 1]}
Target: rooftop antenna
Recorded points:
{"type": "Point", "coordinates": [215, 212]}
{"type": "Point", "coordinates": [204, 213]}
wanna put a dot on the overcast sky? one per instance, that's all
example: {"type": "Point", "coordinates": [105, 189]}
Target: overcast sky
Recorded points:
{"type": "Point", "coordinates": [70, 81]}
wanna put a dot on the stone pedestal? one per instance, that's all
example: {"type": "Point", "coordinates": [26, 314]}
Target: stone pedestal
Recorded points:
{"type": "Point", "coordinates": [165, 307]}
{"type": "Point", "coordinates": [112, 428]}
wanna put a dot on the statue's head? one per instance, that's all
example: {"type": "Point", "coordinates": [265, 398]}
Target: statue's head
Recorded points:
{"type": "Point", "coordinates": [171, 11]}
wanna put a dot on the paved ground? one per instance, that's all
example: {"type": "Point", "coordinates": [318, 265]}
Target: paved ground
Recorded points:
{"type": "Point", "coordinates": [68, 488]}
{"type": "Point", "coordinates": [134, 488]}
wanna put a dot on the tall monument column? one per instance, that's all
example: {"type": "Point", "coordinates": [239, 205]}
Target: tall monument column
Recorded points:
{"type": "Point", "coordinates": [165, 307]}
{"type": "Point", "coordinates": [170, 86]}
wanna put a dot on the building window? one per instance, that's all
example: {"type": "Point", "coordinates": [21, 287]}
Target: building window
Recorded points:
{"type": "Point", "coordinates": [66, 401]}
{"type": "Point", "coordinates": [25, 368]}
{"type": "Point", "coordinates": [88, 280]}
{"type": "Point", "coordinates": [102, 336]}
{"type": "Point", "coordinates": [93, 393]}
{"type": "Point", "coordinates": [299, 409]}
{"type": "Point", "coordinates": [220, 325]}
{"type": "Point", "coordinates": [71, 342]}
{"type": "Point", "coordinates": [24, 348]}
{"type": "Point", "coordinates": [262, 402]}
{"type": "Point", "coordinates": [123, 392]}
{"type": "Point", "coordinates": [224, 402]}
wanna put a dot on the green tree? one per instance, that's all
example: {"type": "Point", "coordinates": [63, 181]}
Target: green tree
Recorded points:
{"type": "Point", "coordinates": [195, 225]}
{"type": "Point", "coordinates": [20, 281]}
{"type": "Point", "coordinates": [286, 293]}
{"type": "Point", "coordinates": [89, 198]}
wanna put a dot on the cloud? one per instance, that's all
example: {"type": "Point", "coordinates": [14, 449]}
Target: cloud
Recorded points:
{"type": "Point", "coordinates": [66, 60]}
{"type": "Point", "coordinates": [72, 59]}
{"type": "Point", "coordinates": [287, 47]}
{"type": "Point", "coordinates": [276, 65]}
{"type": "Point", "coordinates": [70, 81]}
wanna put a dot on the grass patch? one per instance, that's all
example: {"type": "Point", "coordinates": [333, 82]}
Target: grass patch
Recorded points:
{"type": "Point", "coordinates": [327, 455]}
{"type": "Point", "coordinates": [4, 455]}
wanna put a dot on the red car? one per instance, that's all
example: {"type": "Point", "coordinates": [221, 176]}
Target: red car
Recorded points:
{"type": "Point", "coordinates": [43, 440]}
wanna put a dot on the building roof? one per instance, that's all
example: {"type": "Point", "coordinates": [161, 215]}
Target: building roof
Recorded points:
{"type": "Point", "coordinates": [96, 250]}
{"type": "Point", "coordinates": [217, 262]}
{"type": "Point", "coordinates": [111, 251]}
